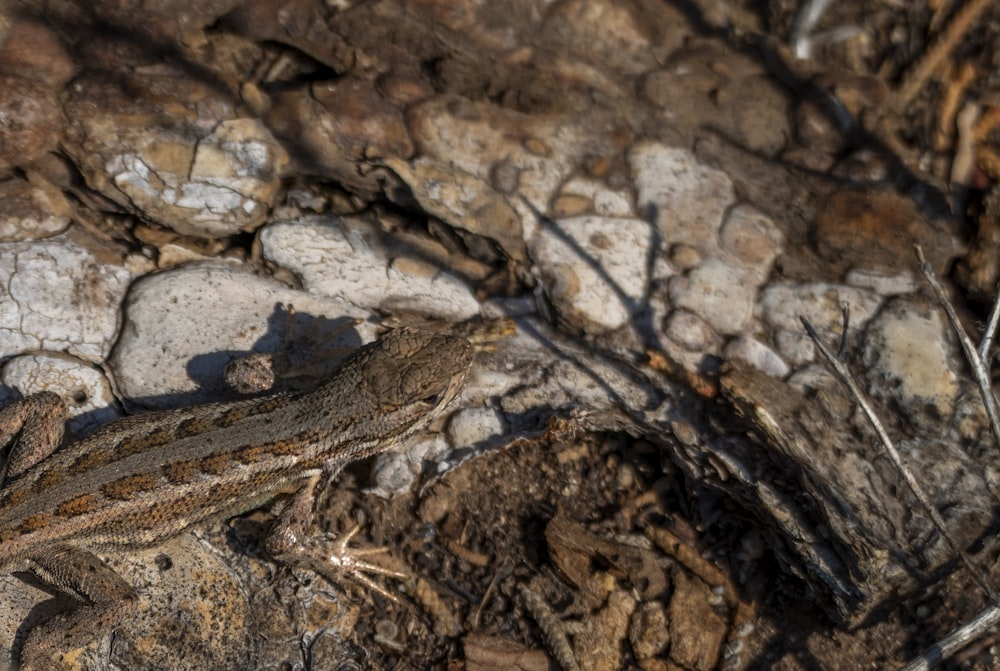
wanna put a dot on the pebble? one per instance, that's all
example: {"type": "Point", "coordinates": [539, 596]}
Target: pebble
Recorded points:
{"type": "Point", "coordinates": [720, 292]}
{"type": "Point", "coordinates": [758, 355]}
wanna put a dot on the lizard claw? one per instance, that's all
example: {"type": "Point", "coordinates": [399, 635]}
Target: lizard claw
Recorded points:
{"type": "Point", "coordinates": [340, 561]}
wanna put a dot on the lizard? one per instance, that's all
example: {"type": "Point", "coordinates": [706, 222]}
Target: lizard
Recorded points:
{"type": "Point", "coordinates": [141, 480]}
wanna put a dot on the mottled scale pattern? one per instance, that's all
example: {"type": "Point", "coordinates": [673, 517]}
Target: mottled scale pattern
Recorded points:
{"type": "Point", "coordinates": [142, 479]}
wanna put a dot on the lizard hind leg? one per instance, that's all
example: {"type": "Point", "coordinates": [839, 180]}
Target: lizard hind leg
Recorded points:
{"type": "Point", "coordinates": [104, 597]}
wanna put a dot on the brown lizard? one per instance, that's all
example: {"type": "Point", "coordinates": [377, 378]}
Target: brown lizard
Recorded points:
{"type": "Point", "coordinates": [141, 480]}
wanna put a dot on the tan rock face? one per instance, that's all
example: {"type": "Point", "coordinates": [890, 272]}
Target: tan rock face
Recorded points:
{"type": "Point", "coordinates": [188, 162]}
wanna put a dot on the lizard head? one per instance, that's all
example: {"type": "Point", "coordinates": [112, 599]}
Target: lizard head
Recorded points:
{"type": "Point", "coordinates": [395, 386]}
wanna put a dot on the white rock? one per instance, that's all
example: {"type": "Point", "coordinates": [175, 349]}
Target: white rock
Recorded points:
{"type": "Point", "coordinates": [59, 294]}
{"type": "Point", "coordinates": [797, 348]}
{"type": "Point", "coordinates": [594, 268]}
{"type": "Point", "coordinates": [688, 197]}
{"type": "Point", "coordinates": [813, 377]}
{"type": "Point", "coordinates": [781, 304]}
{"type": "Point", "coordinates": [183, 326]}
{"type": "Point", "coordinates": [468, 427]}
{"type": "Point", "coordinates": [720, 292]}
{"type": "Point", "coordinates": [344, 259]}
{"type": "Point", "coordinates": [690, 331]}
{"type": "Point", "coordinates": [396, 470]}
{"type": "Point", "coordinates": [910, 357]}
{"type": "Point", "coordinates": [462, 200]}
{"type": "Point", "coordinates": [391, 473]}
{"type": "Point", "coordinates": [84, 388]}
{"type": "Point", "coordinates": [758, 355]}
{"type": "Point", "coordinates": [881, 283]}
{"type": "Point", "coordinates": [527, 154]}
{"type": "Point", "coordinates": [213, 186]}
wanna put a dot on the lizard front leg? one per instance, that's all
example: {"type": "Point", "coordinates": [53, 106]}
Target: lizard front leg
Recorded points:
{"type": "Point", "coordinates": [105, 599]}
{"type": "Point", "coordinates": [289, 543]}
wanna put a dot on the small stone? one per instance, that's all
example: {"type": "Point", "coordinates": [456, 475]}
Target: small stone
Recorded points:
{"type": "Point", "coordinates": [797, 348]}
{"type": "Point", "coordinates": [30, 121]}
{"type": "Point", "coordinates": [782, 304]}
{"type": "Point", "coordinates": [480, 139]}
{"type": "Point", "coordinates": [689, 610]}
{"type": "Point", "coordinates": [31, 49]}
{"type": "Point", "coordinates": [648, 632]}
{"type": "Point", "coordinates": [391, 473]}
{"type": "Point", "coordinates": [571, 205]}
{"type": "Point", "coordinates": [29, 211]}
{"type": "Point", "coordinates": [470, 426]}
{"type": "Point", "coordinates": [690, 331]}
{"type": "Point", "coordinates": [719, 292]}
{"type": "Point", "coordinates": [462, 200]}
{"type": "Point", "coordinates": [882, 283]}
{"type": "Point", "coordinates": [603, 201]}
{"type": "Point", "coordinates": [684, 257]}
{"type": "Point", "coordinates": [751, 236]}
{"type": "Point", "coordinates": [758, 355]}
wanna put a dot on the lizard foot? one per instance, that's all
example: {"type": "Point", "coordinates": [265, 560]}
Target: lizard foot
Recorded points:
{"type": "Point", "coordinates": [332, 558]}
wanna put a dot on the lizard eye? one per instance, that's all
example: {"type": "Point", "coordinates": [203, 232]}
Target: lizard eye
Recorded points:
{"type": "Point", "coordinates": [433, 399]}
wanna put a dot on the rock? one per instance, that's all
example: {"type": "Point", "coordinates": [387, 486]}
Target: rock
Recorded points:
{"type": "Point", "coordinates": [31, 211]}
{"type": "Point", "coordinates": [84, 388]}
{"type": "Point", "coordinates": [60, 294]}
{"type": "Point", "coordinates": [594, 269]}
{"type": "Point", "coordinates": [688, 198]}
{"type": "Point", "coordinates": [200, 171]}
{"type": "Point", "coordinates": [758, 355]}
{"type": "Point", "coordinates": [216, 314]}
{"type": "Point", "coordinates": [346, 259]}
{"type": "Point", "coordinates": [911, 358]}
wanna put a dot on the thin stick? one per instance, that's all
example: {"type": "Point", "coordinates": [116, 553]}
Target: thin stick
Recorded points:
{"type": "Point", "coordinates": [991, 328]}
{"type": "Point", "coordinates": [971, 355]}
{"type": "Point", "coordinates": [955, 641]}
{"type": "Point", "coordinates": [848, 379]}
{"type": "Point", "coordinates": [939, 50]}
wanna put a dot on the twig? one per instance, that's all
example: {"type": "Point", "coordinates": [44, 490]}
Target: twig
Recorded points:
{"type": "Point", "coordinates": [986, 344]}
{"type": "Point", "coordinates": [848, 379]}
{"type": "Point", "coordinates": [955, 641]}
{"type": "Point", "coordinates": [807, 18]}
{"type": "Point", "coordinates": [942, 47]}
{"type": "Point", "coordinates": [971, 355]}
